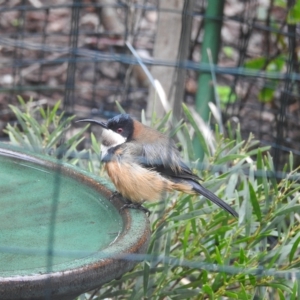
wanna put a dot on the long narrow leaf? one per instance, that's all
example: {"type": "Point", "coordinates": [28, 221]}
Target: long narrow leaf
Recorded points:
{"type": "Point", "coordinates": [254, 201]}
{"type": "Point", "coordinates": [198, 133]}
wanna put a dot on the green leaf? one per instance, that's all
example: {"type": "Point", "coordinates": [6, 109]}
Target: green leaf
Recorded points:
{"type": "Point", "coordinates": [185, 240]}
{"type": "Point", "coordinates": [42, 113]}
{"type": "Point", "coordinates": [254, 201]}
{"type": "Point", "coordinates": [19, 116]}
{"type": "Point", "coordinates": [259, 167]}
{"type": "Point", "coordinates": [146, 274]}
{"type": "Point", "coordinates": [281, 295]}
{"type": "Point", "coordinates": [192, 214]}
{"type": "Point", "coordinates": [221, 151]}
{"type": "Point", "coordinates": [164, 121]}
{"type": "Point", "coordinates": [236, 149]}
{"type": "Point", "coordinates": [53, 112]}
{"type": "Point", "coordinates": [187, 142]}
{"type": "Point", "coordinates": [198, 133]}
{"type": "Point", "coordinates": [280, 286]}
{"type": "Point", "coordinates": [176, 129]}
{"type": "Point", "coordinates": [252, 279]}
{"type": "Point", "coordinates": [266, 94]}
{"type": "Point", "coordinates": [226, 95]}
{"type": "Point", "coordinates": [120, 108]}
{"type": "Point", "coordinates": [242, 293]}
{"type": "Point", "coordinates": [231, 185]}
{"type": "Point", "coordinates": [296, 290]}
{"type": "Point", "coordinates": [255, 63]}
{"type": "Point", "coordinates": [95, 144]}
{"type": "Point", "coordinates": [262, 149]}
{"type": "Point", "coordinates": [218, 255]}
{"type": "Point", "coordinates": [15, 137]}
{"type": "Point", "coordinates": [270, 167]}
{"type": "Point", "coordinates": [91, 167]}
{"type": "Point", "coordinates": [76, 138]}
{"type": "Point", "coordinates": [228, 51]}
{"type": "Point", "coordinates": [230, 158]}
{"type": "Point", "coordinates": [207, 289]}
{"type": "Point", "coordinates": [293, 17]}
{"type": "Point", "coordinates": [286, 211]}
{"type": "Point", "coordinates": [179, 293]}
{"type": "Point", "coordinates": [277, 64]}
{"type": "Point", "coordinates": [242, 257]}
{"type": "Point", "coordinates": [294, 249]}
{"type": "Point", "coordinates": [22, 102]}
{"type": "Point", "coordinates": [231, 295]}
{"type": "Point", "coordinates": [280, 3]}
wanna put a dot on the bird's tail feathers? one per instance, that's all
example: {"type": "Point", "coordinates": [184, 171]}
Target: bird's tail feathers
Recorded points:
{"type": "Point", "coordinates": [212, 197]}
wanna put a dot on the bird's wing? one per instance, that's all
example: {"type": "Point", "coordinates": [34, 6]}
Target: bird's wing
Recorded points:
{"type": "Point", "coordinates": [161, 156]}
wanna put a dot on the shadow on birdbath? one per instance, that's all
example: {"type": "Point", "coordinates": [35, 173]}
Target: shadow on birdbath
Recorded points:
{"type": "Point", "coordinates": [61, 234]}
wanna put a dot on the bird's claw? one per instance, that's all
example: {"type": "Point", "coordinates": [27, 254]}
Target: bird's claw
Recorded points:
{"type": "Point", "coordinates": [129, 204]}
{"type": "Point", "coordinates": [136, 206]}
{"type": "Point", "coordinates": [113, 195]}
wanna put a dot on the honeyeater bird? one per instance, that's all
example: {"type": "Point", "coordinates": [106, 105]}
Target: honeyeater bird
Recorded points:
{"type": "Point", "coordinates": [144, 164]}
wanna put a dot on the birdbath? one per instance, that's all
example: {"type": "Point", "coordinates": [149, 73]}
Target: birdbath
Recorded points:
{"type": "Point", "coordinates": [61, 232]}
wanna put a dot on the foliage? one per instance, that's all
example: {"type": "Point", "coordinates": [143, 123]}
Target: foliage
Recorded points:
{"type": "Point", "coordinates": [280, 59]}
{"type": "Point", "coordinates": [43, 130]}
{"type": "Point", "coordinates": [198, 251]}
{"type": "Point", "coordinates": [276, 64]}
{"type": "Point", "coordinates": [294, 13]}
{"type": "Point", "coordinates": [226, 96]}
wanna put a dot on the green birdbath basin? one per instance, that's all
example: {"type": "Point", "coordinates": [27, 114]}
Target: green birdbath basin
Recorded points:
{"type": "Point", "coordinates": [61, 232]}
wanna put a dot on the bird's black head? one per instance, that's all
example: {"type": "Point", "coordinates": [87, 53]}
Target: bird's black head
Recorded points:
{"type": "Point", "coordinates": [121, 124]}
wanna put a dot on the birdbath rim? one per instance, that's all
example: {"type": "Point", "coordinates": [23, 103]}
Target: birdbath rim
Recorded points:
{"type": "Point", "coordinates": [84, 273]}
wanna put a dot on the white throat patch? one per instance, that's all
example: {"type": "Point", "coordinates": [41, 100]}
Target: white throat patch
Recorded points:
{"type": "Point", "coordinates": [110, 139]}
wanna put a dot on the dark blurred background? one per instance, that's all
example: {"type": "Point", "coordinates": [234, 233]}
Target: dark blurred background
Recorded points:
{"type": "Point", "coordinates": [75, 51]}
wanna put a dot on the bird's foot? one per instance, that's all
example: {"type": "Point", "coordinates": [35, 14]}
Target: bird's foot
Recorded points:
{"type": "Point", "coordinates": [113, 195]}
{"type": "Point", "coordinates": [136, 206]}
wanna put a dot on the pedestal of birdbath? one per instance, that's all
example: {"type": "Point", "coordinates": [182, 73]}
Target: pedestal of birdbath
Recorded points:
{"type": "Point", "coordinates": [60, 233]}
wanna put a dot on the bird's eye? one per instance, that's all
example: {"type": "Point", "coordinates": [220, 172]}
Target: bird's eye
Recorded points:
{"type": "Point", "coordinates": [119, 130]}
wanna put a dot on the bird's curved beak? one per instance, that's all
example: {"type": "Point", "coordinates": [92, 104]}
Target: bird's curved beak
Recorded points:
{"type": "Point", "coordinates": [108, 137]}
{"type": "Point", "coordinates": [102, 124]}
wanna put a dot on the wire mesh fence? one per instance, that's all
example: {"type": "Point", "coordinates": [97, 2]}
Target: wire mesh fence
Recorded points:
{"type": "Point", "coordinates": [76, 51]}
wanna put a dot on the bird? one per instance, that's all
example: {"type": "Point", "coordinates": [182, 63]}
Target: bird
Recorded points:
{"type": "Point", "coordinates": [145, 164]}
